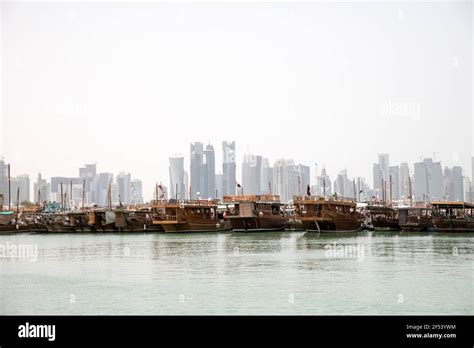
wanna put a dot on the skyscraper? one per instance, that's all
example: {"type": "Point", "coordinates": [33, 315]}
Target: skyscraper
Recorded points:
{"type": "Point", "coordinates": [105, 179]}
{"type": "Point", "coordinates": [404, 181]}
{"type": "Point", "coordinates": [196, 167]}
{"type": "Point", "coordinates": [421, 181]}
{"type": "Point", "coordinates": [186, 185]}
{"type": "Point", "coordinates": [219, 185]}
{"type": "Point", "coordinates": [458, 185]}
{"type": "Point", "coordinates": [377, 173]}
{"type": "Point", "coordinates": [251, 173]}
{"type": "Point", "coordinates": [435, 182]}
{"type": "Point", "coordinates": [228, 168]}
{"type": "Point", "coordinates": [4, 180]}
{"type": "Point", "coordinates": [123, 181]}
{"type": "Point", "coordinates": [384, 166]}
{"type": "Point", "coordinates": [324, 184]}
{"type": "Point", "coordinates": [472, 170]}
{"type": "Point", "coordinates": [18, 186]}
{"type": "Point", "coordinates": [24, 185]}
{"type": "Point", "coordinates": [266, 176]}
{"type": "Point", "coordinates": [428, 181]}
{"type": "Point", "coordinates": [136, 192]}
{"type": "Point", "coordinates": [448, 184]}
{"type": "Point", "coordinates": [42, 189]}
{"type": "Point", "coordinates": [177, 178]}
{"type": "Point", "coordinates": [394, 172]}
{"type": "Point", "coordinates": [209, 173]}
{"type": "Point", "coordinates": [286, 176]}
{"type": "Point", "coordinates": [88, 171]}
{"type": "Point", "coordinates": [304, 178]}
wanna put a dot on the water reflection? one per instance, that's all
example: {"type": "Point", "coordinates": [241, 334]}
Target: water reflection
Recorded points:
{"type": "Point", "coordinates": [242, 273]}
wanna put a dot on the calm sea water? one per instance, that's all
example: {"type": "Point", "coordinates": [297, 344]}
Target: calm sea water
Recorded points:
{"type": "Point", "coordinates": [237, 273]}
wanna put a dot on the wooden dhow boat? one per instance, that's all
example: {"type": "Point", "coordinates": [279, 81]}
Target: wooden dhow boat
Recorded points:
{"type": "Point", "coordinates": [255, 213]}
{"type": "Point", "coordinates": [190, 216]}
{"type": "Point", "coordinates": [453, 216]}
{"type": "Point", "coordinates": [383, 217]}
{"type": "Point", "coordinates": [327, 214]}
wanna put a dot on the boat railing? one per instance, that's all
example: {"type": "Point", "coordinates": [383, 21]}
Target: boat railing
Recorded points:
{"type": "Point", "coordinates": [323, 199]}
{"type": "Point", "coordinates": [174, 203]}
{"type": "Point", "coordinates": [252, 198]}
{"type": "Point", "coordinates": [165, 218]}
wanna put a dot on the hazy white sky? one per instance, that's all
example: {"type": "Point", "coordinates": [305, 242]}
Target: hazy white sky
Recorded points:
{"type": "Point", "coordinates": [127, 85]}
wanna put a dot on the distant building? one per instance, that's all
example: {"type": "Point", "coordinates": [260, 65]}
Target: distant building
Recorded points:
{"type": "Point", "coordinates": [458, 185]}
{"type": "Point", "coordinates": [209, 173]}
{"type": "Point", "coordinates": [384, 166]}
{"type": "Point", "coordinates": [284, 179]}
{"type": "Point", "coordinates": [136, 192]}
{"type": "Point", "coordinates": [404, 181]}
{"type": "Point", "coordinates": [363, 193]}
{"type": "Point", "coordinates": [228, 168]}
{"type": "Point", "coordinates": [219, 185]}
{"type": "Point", "coordinates": [105, 180]}
{"type": "Point", "coordinates": [394, 174]}
{"type": "Point", "coordinates": [304, 177]}
{"type": "Point", "coordinates": [381, 175]}
{"type": "Point", "coordinates": [428, 181]}
{"type": "Point", "coordinates": [436, 181]}
{"type": "Point", "coordinates": [88, 171]}
{"type": "Point", "coordinates": [286, 176]}
{"type": "Point", "coordinates": [186, 184]}
{"type": "Point", "coordinates": [124, 183]}
{"type": "Point", "coordinates": [377, 174]}
{"type": "Point", "coordinates": [114, 190]}
{"type": "Point", "coordinates": [23, 183]}
{"type": "Point", "coordinates": [41, 190]}
{"type": "Point", "coordinates": [4, 180]}
{"type": "Point", "coordinates": [472, 170]}
{"type": "Point", "coordinates": [251, 174]}
{"type": "Point", "coordinates": [160, 193]}
{"type": "Point", "coordinates": [66, 182]}
{"type": "Point", "coordinates": [177, 178]}
{"type": "Point", "coordinates": [467, 189]}
{"type": "Point", "coordinates": [421, 181]}
{"type": "Point", "coordinates": [341, 186]}
{"type": "Point", "coordinates": [448, 187]}
{"type": "Point", "coordinates": [323, 186]}
{"type": "Point", "coordinates": [266, 177]}
{"type": "Point", "coordinates": [196, 167]}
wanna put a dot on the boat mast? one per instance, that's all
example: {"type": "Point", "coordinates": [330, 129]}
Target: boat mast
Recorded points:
{"type": "Point", "coordinates": [383, 192]}
{"type": "Point", "coordinates": [109, 194]}
{"type": "Point", "coordinates": [390, 202]}
{"type": "Point", "coordinates": [17, 204]}
{"type": "Point", "coordinates": [354, 184]}
{"type": "Point", "coordinates": [62, 197]}
{"type": "Point", "coordinates": [9, 189]}
{"type": "Point", "coordinates": [299, 186]}
{"type": "Point", "coordinates": [409, 189]}
{"type": "Point", "coordinates": [83, 193]}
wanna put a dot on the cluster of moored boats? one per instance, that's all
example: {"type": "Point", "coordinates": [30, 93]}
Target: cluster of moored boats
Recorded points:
{"type": "Point", "coordinates": [247, 213]}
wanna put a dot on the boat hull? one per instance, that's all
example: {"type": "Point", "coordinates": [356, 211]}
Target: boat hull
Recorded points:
{"type": "Point", "coordinates": [328, 226]}
{"type": "Point", "coordinates": [447, 225]}
{"type": "Point", "coordinates": [193, 227]}
{"type": "Point", "coordinates": [254, 224]}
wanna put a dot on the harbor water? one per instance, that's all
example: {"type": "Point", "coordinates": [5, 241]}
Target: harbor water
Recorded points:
{"type": "Point", "coordinates": [237, 273]}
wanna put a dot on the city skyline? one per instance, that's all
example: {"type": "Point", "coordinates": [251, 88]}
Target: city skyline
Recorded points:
{"type": "Point", "coordinates": [430, 180]}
